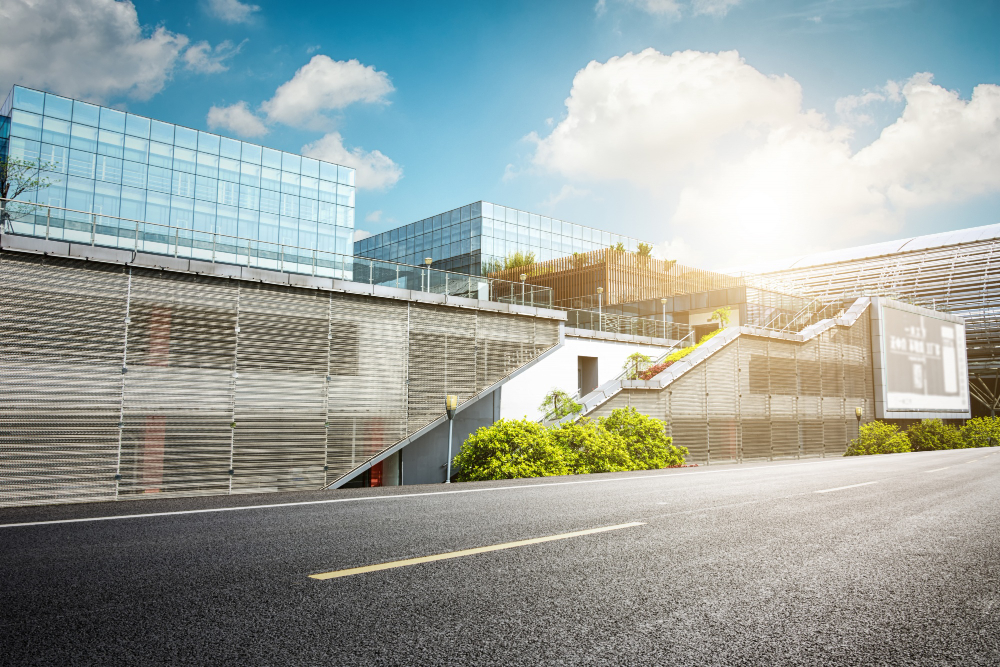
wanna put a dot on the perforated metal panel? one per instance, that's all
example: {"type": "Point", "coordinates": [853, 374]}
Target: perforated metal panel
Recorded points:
{"type": "Point", "coordinates": [229, 386]}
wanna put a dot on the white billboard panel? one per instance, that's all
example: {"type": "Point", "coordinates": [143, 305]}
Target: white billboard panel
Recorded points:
{"type": "Point", "coordinates": [924, 361]}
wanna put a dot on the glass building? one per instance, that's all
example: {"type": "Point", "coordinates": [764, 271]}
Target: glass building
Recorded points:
{"type": "Point", "coordinates": [105, 162]}
{"type": "Point", "coordinates": [469, 238]}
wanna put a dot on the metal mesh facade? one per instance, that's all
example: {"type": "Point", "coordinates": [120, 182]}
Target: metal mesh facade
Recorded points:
{"type": "Point", "coordinates": [765, 398]}
{"type": "Point", "coordinates": [961, 277]}
{"type": "Point", "coordinates": [122, 382]}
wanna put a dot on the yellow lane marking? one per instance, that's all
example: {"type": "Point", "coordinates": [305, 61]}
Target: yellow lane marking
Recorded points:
{"type": "Point", "coordinates": [467, 552]}
{"type": "Point", "coordinates": [841, 488]}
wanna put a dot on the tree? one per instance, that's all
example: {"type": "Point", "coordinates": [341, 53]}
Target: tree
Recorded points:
{"type": "Point", "coordinates": [557, 404]}
{"type": "Point", "coordinates": [721, 315]}
{"type": "Point", "coordinates": [878, 438]}
{"type": "Point", "coordinates": [18, 176]}
{"type": "Point", "coordinates": [635, 363]}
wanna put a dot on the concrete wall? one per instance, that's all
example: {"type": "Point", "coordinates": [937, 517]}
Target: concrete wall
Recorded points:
{"type": "Point", "coordinates": [424, 460]}
{"type": "Point", "coordinates": [523, 394]}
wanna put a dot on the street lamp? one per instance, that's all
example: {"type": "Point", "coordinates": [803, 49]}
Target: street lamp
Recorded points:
{"type": "Point", "coordinates": [427, 261]}
{"type": "Point", "coordinates": [600, 305]}
{"type": "Point", "coordinates": [524, 277]}
{"type": "Point", "coordinates": [450, 405]}
{"type": "Point", "coordinates": [857, 413]}
{"type": "Point", "coordinates": [663, 303]}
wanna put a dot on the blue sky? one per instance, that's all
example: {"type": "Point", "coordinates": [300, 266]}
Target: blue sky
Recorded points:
{"type": "Point", "coordinates": [716, 157]}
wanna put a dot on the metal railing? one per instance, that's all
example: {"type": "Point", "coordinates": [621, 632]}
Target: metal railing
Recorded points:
{"type": "Point", "coordinates": [96, 229]}
{"type": "Point", "coordinates": [625, 324]}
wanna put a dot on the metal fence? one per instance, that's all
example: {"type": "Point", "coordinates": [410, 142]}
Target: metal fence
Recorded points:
{"type": "Point", "coordinates": [626, 324]}
{"type": "Point", "coordinates": [95, 229]}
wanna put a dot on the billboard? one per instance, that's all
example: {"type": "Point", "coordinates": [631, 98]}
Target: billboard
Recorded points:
{"type": "Point", "coordinates": [924, 361]}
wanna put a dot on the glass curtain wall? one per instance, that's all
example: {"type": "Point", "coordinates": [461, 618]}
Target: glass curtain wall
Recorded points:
{"type": "Point", "coordinates": [468, 238]}
{"type": "Point", "coordinates": [107, 162]}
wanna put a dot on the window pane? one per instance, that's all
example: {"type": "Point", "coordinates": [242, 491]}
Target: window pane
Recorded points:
{"type": "Point", "coordinates": [289, 183]}
{"type": "Point", "coordinates": [161, 155]}
{"type": "Point", "coordinates": [162, 132]}
{"type": "Point", "coordinates": [81, 163]}
{"type": "Point", "coordinates": [56, 158]}
{"type": "Point", "coordinates": [80, 194]}
{"type": "Point", "coordinates": [208, 165]}
{"type": "Point", "coordinates": [133, 204]}
{"type": "Point", "coordinates": [205, 188]}
{"type": "Point", "coordinates": [109, 169]}
{"type": "Point", "coordinates": [26, 125]}
{"type": "Point", "coordinates": [291, 163]}
{"type": "Point", "coordinates": [159, 179]}
{"type": "Point", "coordinates": [250, 153]}
{"type": "Point", "coordinates": [112, 120]}
{"type": "Point", "coordinates": [229, 148]}
{"type": "Point", "coordinates": [208, 143]}
{"type": "Point", "coordinates": [249, 174]}
{"type": "Point", "coordinates": [134, 174]}
{"type": "Point", "coordinates": [137, 126]}
{"type": "Point", "coordinates": [271, 158]}
{"type": "Point", "coordinates": [345, 175]}
{"type": "Point", "coordinates": [110, 143]}
{"type": "Point", "coordinates": [228, 193]}
{"type": "Point", "coordinates": [249, 197]}
{"type": "Point", "coordinates": [28, 100]}
{"type": "Point", "coordinates": [186, 137]}
{"type": "Point", "coordinates": [58, 107]}
{"type": "Point", "coordinates": [310, 167]}
{"type": "Point", "coordinates": [88, 114]}
{"type": "Point", "coordinates": [136, 149]}
{"type": "Point", "coordinates": [183, 184]}
{"type": "Point", "coordinates": [270, 201]}
{"type": "Point", "coordinates": [309, 187]}
{"type": "Point", "coordinates": [184, 159]}
{"type": "Point", "coordinates": [56, 132]}
{"type": "Point", "coordinates": [328, 172]}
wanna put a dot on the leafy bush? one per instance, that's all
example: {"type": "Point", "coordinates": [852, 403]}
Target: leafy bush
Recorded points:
{"type": "Point", "coordinates": [647, 442]}
{"type": "Point", "coordinates": [673, 358]}
{"type": "Point", "coordinates": [635, 364]}
{"type": "Point", "coordinates": [981, 432]}
{"type": "Point", "coordinates": [510, 449]}
{"type": "Point", "coordinates": [878, 438]}
{"type": "Point", "coordinates": [931, 434]}
{"type": "Point", "coordinates": [557, 404]}
{"type": "Point", "coordinates": [590, 448]}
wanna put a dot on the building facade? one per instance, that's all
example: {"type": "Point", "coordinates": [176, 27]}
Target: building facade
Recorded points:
{"type": "Point", "coordinates": [473, 238]}
{"type": "Point", "coordinates": [104, 162]}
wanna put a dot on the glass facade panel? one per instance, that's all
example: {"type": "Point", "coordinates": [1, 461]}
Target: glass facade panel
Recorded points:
{"type": "Point", "coordinates": [103, 161]}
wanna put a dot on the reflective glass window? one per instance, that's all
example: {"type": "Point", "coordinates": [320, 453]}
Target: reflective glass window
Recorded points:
{"type": "Point", "coordinates": [288, 233]}
{"type": "Point", "coordinates": [110, 143]}
{"type": "Point", "coordinates": [308, 209]}
{"type": "Point", "coordinates": [345, 175]}
{"type": "Point", "coordinates": [107, 197]}
{"type": "Point", "coordinates": [56, 158]}
{"type": "Point", "coordinates": [208, 143]}
{"type": "Point", "coordinates": [113, 121]}
{"type": "Point", "coordinates": [290, 206]}
{"type": "Point", "coordinates": [204, 216]}
{"type": "Point", "coordinates": [56, 131]}
{"type": "Point", "coordinates": [248, 224]}
{"type": "Point", "coordinates": [186, 137]}
{"type": "Point", "coordinates": [136, 149]}
{"type": "Point", "coordinates": [84, 138]}
{"type": "Point", "coordinates": [289, 183]}
{"type": "Point", "coordinates": [81, 163]}
{"type": "Point", "coordinates": [58, 107]}
{"type": "Point", "coordinates": [250, 153]}
{"type": "Point", "coordinates": [26, 125]}
{"type": "Point", "coordinates": [271, 158]}
{"type": "Point", "coordinates": [23, 149]}
{"type": "Point", "coordinates": [268, 228]}
{"type": "Point", "coordinates": [309, 187]}
{"type": "Point", "coordinates": [87, 114]}
{"type": "Point", "coordinates": [108, 169]}
{"type": "Point", "coordinates": [228, 193]}
{"type": "Point", "coordinates": [327, 191]}
{"type": "Point", "coordinates": [270, 178]}
{"type": "Point", "coordinates": [249, 196]}
{"type": "Point", "coordinates": [327, 213]}
{"type": "Point", "coordinates": [534, 221]}
{"type": "Point", "coordinates": [158, 209]}
{"type": "Point", "coordinates": [229, 148]}
{"type": "Point", "coordinates": [161, 155]}
{"type": "Point", "coordinates": [208, 165]}
{"type": "Point", "coordinates": [226, 220]}
{"type": "Point", "coordinates": [291, 163]}
{"type": "Point", "coordinates": [159, 179]}
{"type": "Point", "coordinates": [345, 195]}
{"type": "Point", "coordinates": [328, 172]}
{"type": "Point", "coordinates": [249, 174]}
{"type": "Point", "coordinates": [546, 224]}
{"type": "Point", "coordinates": [270, 201]}
{"type": "Point", "coordinates": [488, 210]}
{"type": "Point", "coordinates": [477, 209]}
{"type": "Point", "coordinates": [134, 174]}
{"type": "Point", "coordinates": [80, 194]}
{"type": "Point", "coordinates": [205, 188]}
{"type": "Point", "coordinates": [137, 126]}
{"type": "Point", "coordinates": [310, 167]}
{"type": "Point", "coordinates": [161, 132]}
{"type": "Point", "coordinates": [133, 204]}
{"type": "Point", "coordinates": [183, 184]}
{"type": "Point", "coordinates": [182, 212]}
{"type": "Point", "coordinates": [229, 170]}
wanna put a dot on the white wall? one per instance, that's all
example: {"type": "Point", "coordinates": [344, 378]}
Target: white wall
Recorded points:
{"type": "Point", "coordinates": [521, 396]}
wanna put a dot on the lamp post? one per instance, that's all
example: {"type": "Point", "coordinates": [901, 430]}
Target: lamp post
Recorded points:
{"type": "Point", "coordinates": [600, 306]}
{"type": "Point", "coordinates": [427, 261]}
{"type": "Point", "coordinates": [663, 303]}
{"type": "Point", "coordinates": [450, 405]}
{"type": "Point", "coordinates": [857, 413]}
{"type": "Point", "coordinates": [524, 277]}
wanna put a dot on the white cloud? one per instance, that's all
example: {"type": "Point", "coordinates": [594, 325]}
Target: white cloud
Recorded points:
{"type": "Point", "coordinates": [238, 119]}
{"type": "Point", "coordinates": [361, 234]}
{"type": "Point", "coordinates": [668, 8]}
{"type": "Point", "coordinates": [232, 11]}
{"type": "Point", "coordinates": [374, 216]}
{"type": "Point", "coordinates": [375, 171]}
{"type": "Point", "coordinates": [565, 192]}
{"type": "Point", "coordinates": [201, 57]}
{"type": "Point", "coordinates": [324, 84]}
{"type": "Point", "coordinates": [849, 107]}
{"type": "Point", "coordinates": [753, 174]}
{"type": "Point", "coordinates": [91, 49]}
{"type": "Point", "coordinates": [713, 7]}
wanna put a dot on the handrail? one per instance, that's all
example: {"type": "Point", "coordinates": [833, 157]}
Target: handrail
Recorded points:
{"type": "Point", "coordinates": [96, 229]}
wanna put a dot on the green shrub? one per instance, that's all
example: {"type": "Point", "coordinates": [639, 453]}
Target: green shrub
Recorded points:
{"type": "Point", "coordinates": [590, 448]}
{"type": "Point", "coordinates": [510, 449]}
{"type": "Point", "coordinates": [878, 438]}
{"type": "Point", "coordinates": [557, 404]}
{"type": "Point", "coordinates": [981, 432]}
{"type": "Point", "coordinates": [931, 434]}
{"type": "Point", "coordinates": [647, 442]}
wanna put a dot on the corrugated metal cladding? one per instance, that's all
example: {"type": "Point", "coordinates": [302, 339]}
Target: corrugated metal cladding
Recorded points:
{"type": "Point", "coordinates": [761, 398]}
{"type": "Point", "coordinates": [119, 382]}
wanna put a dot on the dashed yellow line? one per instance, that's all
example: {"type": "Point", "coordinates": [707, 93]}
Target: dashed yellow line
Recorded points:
{"type": "Point", "coordinates": [467, 552]}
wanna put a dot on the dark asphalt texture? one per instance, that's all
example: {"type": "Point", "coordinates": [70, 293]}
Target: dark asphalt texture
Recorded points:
{"type": "Point", "coordinates": [735, 565]}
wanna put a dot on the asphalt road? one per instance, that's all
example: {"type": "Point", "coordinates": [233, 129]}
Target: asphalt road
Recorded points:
{"type": "Point", "coordinates": [731, 565]}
